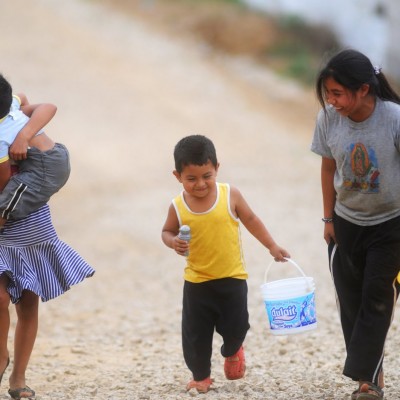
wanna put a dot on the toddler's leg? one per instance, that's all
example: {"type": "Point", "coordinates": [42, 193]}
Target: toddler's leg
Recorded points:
{"type": "Point", "coordinates": [10, 200]}
{"type": "Point", "coordinates": [40, 176]}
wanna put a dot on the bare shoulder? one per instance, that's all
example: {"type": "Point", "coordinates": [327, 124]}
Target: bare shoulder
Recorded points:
{"type": "Point", "coordinates": [234, 189]}
{"type": "Point", "coordinates": [171, 222]}
{"type": "Point", "coordinates": [172, 212]}
{"type": "Point", "coordinates": [235, 192]}
{"type": "Point", "coordinates": [236, 199]}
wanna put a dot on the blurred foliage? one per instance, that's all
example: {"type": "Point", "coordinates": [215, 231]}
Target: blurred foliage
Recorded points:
{"type": "Point", "coordinates": [287, 45]}
{"type": "Point", "coordinates": [300, 47]}
{"type": "Point", "coordinates": [237, 2]}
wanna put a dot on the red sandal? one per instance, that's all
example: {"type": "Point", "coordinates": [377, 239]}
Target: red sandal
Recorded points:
{"type": "Point", "coordinates": [235, 366]}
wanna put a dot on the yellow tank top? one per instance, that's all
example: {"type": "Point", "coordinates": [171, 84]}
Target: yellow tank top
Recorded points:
{"type": "Point", "coordinates": [215, 246]}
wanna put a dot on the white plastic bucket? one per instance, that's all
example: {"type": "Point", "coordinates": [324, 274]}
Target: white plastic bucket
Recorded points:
{"type": "Point", "coordinates": [290, 303]}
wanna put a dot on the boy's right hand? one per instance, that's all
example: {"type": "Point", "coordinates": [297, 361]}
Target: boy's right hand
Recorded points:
{"type": "Point", "coordinates": [180, 246]}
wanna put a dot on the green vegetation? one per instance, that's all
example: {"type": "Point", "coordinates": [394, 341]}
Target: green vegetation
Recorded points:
{"type": "Point", "coordinates": [298, 50]}
{"type": "Point", "coordinates": [287, 45]}
{"type": "Point", "coordinates": [293, 48]}
{"type": "Point", "coordinates": [238, 2]}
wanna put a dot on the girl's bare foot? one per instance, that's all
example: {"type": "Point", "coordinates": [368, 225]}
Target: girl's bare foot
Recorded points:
{"type": "Point", "coordinates": [22, 393]}
{"type": "Point", "coordinates": [369, 391]}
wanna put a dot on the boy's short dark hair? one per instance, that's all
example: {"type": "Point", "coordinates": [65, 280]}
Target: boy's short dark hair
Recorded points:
{"type": "Point", "coordinates": [195, 150]}
{"type": "Point", "coordinates": [5, 96]}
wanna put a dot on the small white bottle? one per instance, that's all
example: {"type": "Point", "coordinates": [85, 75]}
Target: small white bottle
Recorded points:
{"type": "Point", "coordinates": [184, 234]}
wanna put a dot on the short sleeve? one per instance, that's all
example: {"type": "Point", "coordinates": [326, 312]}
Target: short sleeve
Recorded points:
{"type": "Point", "coordinates": [15, 105]}
{"type": "Point", "coordinates": [319, 143]}
{"type": "Point", "coordinates": [3, 151]}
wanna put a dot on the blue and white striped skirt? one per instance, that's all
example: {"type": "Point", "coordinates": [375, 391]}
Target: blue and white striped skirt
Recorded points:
{"type": "Point", "coordinates": [35, 259]}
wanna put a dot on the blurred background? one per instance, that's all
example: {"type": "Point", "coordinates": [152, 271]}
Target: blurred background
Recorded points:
{"type": "Point", "coordinates": [288, 35]}
{"type": "Point", "coordinates": [132, 77]}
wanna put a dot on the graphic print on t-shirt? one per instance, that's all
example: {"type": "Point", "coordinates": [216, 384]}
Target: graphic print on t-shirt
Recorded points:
{"type": "Point", "coordinates": [361, 169]}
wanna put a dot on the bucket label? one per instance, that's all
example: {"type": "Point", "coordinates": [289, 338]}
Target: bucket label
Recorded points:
{"type": "Point", "coordinates": [291, 313]}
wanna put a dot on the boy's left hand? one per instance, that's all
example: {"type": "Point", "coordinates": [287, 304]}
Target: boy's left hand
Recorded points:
{"type": "Point", "coordinates": [279, 253]}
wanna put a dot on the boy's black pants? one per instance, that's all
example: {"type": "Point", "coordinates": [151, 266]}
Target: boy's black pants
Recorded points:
{"type": "Point", "coordinates": [219, 304]}
{"type": "Point", "coordinates": [364, 266]}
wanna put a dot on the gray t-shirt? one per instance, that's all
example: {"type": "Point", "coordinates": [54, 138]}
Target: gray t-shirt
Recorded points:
{"type": "Point", "coordinates": [367, 177]}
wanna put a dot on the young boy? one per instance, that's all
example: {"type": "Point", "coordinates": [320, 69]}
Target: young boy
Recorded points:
{"type": "Point", "coordinates": [215, 287]}
{"type": "Point", "coordinates": [43, 166]}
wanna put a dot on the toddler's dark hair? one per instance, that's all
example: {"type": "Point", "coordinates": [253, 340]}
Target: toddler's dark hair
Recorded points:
{"type": "Point", "coordinates": [352, 69]}
{"type": "Point", "coordinates": [5, 96]}
{"type": "Point", "coordinates": [195, 150]}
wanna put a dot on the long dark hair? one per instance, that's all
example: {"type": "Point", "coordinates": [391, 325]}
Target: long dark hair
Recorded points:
{"type": "Point", "coordinates": [352, 69]}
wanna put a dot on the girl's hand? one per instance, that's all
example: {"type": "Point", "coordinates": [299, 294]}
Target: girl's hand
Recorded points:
{"type": "Point", "coordinates": [279, 253]}
{"type": "Point", "coordinates": [180, 246]}
{"type": "Point", "coordinates": [329, 232]}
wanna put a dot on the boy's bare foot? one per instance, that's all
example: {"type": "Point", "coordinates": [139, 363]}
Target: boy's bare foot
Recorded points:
{"type": "Point", "coordinates": [201, 386]}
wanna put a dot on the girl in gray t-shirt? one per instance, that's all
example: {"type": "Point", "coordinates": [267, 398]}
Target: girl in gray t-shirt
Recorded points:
{"type": "Point", "coordinates": [357, 134]}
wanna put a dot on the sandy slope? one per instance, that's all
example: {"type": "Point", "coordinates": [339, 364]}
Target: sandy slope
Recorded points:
{"type": "Point", "coordinates": [125, 95]}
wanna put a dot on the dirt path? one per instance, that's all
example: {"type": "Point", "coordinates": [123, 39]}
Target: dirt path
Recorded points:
{"type": "Point", "coordinates": [125, 95]}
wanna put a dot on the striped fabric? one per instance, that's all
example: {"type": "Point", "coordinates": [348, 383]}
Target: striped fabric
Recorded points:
{"type": "Point", "coordinates": [34, 258]}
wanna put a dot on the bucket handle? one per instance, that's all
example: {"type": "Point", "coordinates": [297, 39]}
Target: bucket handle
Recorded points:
{"type": "Point", "coordinates": [287, 259]}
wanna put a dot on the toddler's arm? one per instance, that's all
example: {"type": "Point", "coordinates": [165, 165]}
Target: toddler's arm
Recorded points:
{"type": "Point", "coordinates": [40, 115]}
{"type": "Point", "coordinates": [170, 233]}
{"type": "Point", "coordinates": [255, 226]}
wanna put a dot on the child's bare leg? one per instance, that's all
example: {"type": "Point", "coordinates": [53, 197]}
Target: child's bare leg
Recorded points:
{"type": "Point", "coordinates": [381, 380]}
{"type": "Point", "coordinates": [4, 322]}
{"type": "Point", "coordinates": [2, 222]}
{"type": "Point", "coordinates": [25, 336]}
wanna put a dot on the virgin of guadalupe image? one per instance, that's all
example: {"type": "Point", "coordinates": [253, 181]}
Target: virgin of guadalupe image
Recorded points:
{"type": "Point", "coordinates": [365, 173]}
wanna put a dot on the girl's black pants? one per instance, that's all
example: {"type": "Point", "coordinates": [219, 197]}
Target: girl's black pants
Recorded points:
{"type": "Point", "coordinates": [364, 265]}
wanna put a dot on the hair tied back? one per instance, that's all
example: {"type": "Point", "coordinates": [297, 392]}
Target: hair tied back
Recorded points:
{"type": "Point", "coordinates": [377, 70]}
